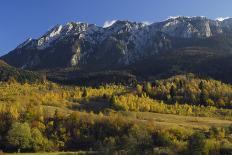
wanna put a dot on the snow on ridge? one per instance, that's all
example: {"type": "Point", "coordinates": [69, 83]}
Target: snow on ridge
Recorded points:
{"type": "Point", "coordinates": [222, 18]}
{"type": "Point", "coordinates": [189, 17]}
{"type": "Point", "coordinates": [174, 17]}
{"type": "Point", "coordinates": [88, 31]}
{"type": "Point", "coordinates": [56, 32]}
{"type": "Point", "coordinates": [50, 36]}
{"type": "Point", "coordinates": [60, 31]}
{"type": "Point", "coordinates": [109, 23]}
{"type": "Point", "coordinates": [147, 22]}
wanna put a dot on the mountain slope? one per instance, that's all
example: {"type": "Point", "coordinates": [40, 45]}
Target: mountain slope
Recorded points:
{"type": "Point", "coordinates": [9, 73]}
{"type": "Point", "coordinates": [125, 42]}
{"type": "Point", "coordinates": [180, 44]}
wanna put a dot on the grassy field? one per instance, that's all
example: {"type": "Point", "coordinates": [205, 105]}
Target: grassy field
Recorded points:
{"type": "Point", "coordinates": [162, 120]}
{"type": "Point", "coordinates": [169, 120]}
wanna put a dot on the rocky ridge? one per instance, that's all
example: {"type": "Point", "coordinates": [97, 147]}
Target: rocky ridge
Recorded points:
{"type": "Point", "coordinates": [81, 44]}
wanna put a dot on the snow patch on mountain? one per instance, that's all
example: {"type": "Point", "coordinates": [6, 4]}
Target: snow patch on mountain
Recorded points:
{"type": "Point", "coordinates": [222, 18]}
{"type": "Point", "coordinates": [175, 17]}
{"type": "Point", "coordinates": [109, 23]}
{"type": "Point", "coordinates": [147, 22]}
{"type": "Point", "coordinates": [45, 41]}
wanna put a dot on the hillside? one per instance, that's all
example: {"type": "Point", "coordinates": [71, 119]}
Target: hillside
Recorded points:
{"type": "Point", "coordinates": [191, 89]}
{"type": "Point", "coordinates": [11, 74]}
{"type": "Point", "coordinates": [202, 61]}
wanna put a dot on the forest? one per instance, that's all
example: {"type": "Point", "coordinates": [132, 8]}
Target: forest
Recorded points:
{"type": "Point", "coordinates": [183, 114]}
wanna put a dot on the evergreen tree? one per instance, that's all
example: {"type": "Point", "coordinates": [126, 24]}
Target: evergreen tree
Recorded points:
{"type": "Point", "coordinates": [172, 93]}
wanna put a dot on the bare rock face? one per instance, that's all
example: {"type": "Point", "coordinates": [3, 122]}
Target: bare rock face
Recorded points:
{"type": "Point", "coordinates": [185, 27]}
{"type": "Point", "coordinates": [123, 43]}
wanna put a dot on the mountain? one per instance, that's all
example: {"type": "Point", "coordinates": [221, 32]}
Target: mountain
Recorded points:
{"type": "Point", "coordinates": [9, 73]}
{"type": "Point", "coordinates": [178, 44]}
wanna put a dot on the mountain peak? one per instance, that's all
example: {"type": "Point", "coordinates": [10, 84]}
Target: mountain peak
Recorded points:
{"type": "Point", "coordinates": [189, 25]}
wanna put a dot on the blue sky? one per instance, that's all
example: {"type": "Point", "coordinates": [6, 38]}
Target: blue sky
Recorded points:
{"type": "Point", "coordinates": [21, 19]}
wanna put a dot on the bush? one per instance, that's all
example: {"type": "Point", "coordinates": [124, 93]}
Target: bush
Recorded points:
{"type": "Point", "coordinates": [39, 142]}
{"type": "Point", "coordinates": [212, 146]}
{"type": "Point", "coordinates": [161, 139]}
{"type": "Point", "coordinates": [226, 150]}
{"type": "Point", "coordinates": [196, 144]}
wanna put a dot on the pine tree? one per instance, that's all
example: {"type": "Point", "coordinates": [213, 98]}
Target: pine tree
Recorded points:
{"type": "Point", "coordinates": [172, 93]}
{"type": "Point", "coordinates": [203, 95]}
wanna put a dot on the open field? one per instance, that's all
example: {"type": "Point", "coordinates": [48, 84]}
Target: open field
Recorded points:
{"type": "Point", "coordinates": [162, 120]}
{"type": "Point", "coordinates": [169, 120]}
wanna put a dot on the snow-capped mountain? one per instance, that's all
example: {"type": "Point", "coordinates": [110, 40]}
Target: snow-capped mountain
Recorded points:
{"type": "Point", "coordinates": [123, 43]}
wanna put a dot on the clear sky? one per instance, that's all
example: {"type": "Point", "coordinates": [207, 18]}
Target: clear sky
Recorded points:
{"type": "Point", "coordinates": [21, 19]}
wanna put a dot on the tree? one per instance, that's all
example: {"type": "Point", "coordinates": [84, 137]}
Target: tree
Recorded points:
{"type": "Point", "coordinates": [138, 141]}
{"type": "Point", "coordinates": [230, 129]}
{"type": "Point", "coordinates": [139, 89]}
{"type": "Point", "coordinates": [161, 139]}
{"type": "Point", "coordinates": [19, 136]}
{"type": "Point", "coordinates": [113, 100]}
{"type": "Point", "coordinates": [203, 96]}
{"type": "Point", "coordinates": [172, 92]}
{"type": "Point", "coordinates": [37, 140]}
{"type": "Point", "coordinates": [148, 87]}
{"type": "Point", "coordinates": [196, 144]}
{"type": "Point", "coordinates": [201, 85]}
{"type": "Point", "coordinates": [11, 80]}
{"type": "Point", "coordinates": [210, 102]}
{"type": "Point", "coordinates": [180, 84]}
{"type": "Point", "coordinates": [85, 93]}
